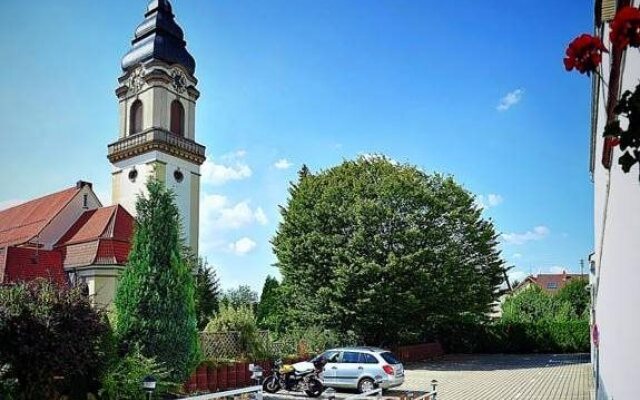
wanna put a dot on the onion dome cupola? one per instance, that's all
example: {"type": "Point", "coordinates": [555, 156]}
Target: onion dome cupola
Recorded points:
{"type": "Point", "coordinates": [159, 37]}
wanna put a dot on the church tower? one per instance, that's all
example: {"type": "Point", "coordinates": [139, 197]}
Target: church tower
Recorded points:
{"type": "Point", "coordinates": [157, 98]}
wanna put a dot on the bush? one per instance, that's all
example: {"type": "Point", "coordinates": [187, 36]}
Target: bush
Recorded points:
{"type": "Point", "coordinates": [519, 337]}
{"type": "Point", "coordinates": [52, 341]}
{"type": "Point", "coordinates": [124, 378]}
{"type": "Point", "coordinates": [240, 319]}
{"type": "Point", "coordinates": [304, 342]}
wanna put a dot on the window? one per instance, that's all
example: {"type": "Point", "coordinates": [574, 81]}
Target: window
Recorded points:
{"type": "Point", "coordinates": [350, 357]}
{"type": "Point", "coordinates": [177, 118]}
{"type": "Point", "coordinates": [552, 285]}
{"type": "Point", "coordinates": [390, 358]}
{"type": "Point", "coordinates": [135, 118]}
{"type": "Point", "coordinates": [85, 201]}
{"type": "Point", "coordinates": [330, 356]}
{"type": "Point", "coordinates": [366, 358]}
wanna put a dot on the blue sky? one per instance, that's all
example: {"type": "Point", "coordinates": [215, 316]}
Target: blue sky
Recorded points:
{"type": "Point", "coordinates": [472, 89]}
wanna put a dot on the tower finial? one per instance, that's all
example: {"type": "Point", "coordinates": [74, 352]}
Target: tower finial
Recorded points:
{"type": "Point", "coordinates": [165, 5]}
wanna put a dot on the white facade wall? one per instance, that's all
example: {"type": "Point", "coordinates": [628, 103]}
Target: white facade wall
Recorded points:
{"type": "Point", "coordinates": [144, 164]}
{"type": "Point", "coordinates": [616, 283]}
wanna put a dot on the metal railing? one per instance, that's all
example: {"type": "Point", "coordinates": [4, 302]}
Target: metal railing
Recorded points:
{"type": "Point", "coordinates": [330, 394]}
{"type": "Point", "coordinates": [156, 135]}
{"type": "Point", "coordinates": [432, 395]}
{"type": "Point", "coordinates": [255, 390]}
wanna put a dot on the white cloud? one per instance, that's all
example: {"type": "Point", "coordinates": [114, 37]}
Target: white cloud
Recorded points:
{"type": "Point", "coordinates": [488, 201]}
{"type": "Point", "coordinates": [260, 216]}
{"type": "Point", "coordinates": [517, 256]}
{"type": "Point", "coordinates": [283, 164]}
{"type": "Point", "coordinates": [510, 100]}
{"type": "Point", "coordinates": [516, 275]}
{"type": "Point", "coordinates": [9, 203]}
{"type": "Point", "coordinates": [219, 214]}
{"type": "Point", "coordinates": [242, 246]}
{"type": "Point", "coordinates": [232, 168]}
{"type": "Point", "coordinates": [537, 233]}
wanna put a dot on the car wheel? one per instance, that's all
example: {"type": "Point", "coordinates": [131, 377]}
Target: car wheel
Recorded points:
{"type": "Point", "coordinates": [366, 385]}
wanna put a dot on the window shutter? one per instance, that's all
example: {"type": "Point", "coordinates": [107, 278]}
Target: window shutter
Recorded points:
{"type": "Point", "coordinates": [608, 10]}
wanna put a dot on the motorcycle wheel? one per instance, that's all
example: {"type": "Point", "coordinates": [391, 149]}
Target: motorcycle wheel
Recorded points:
{"type": "Point", "coordinates": [271, 385]}
{"type": "Point", "coordinates": [314, 388]}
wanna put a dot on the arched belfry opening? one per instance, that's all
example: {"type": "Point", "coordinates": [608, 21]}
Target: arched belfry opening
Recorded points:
{"type": "Point", "coordinates": [135, 118]}
{"type": "Point", "coordinates": [177, 118]}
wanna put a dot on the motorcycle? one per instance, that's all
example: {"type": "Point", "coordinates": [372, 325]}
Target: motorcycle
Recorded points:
{"type": "Point", "coordinates": [300, 377]}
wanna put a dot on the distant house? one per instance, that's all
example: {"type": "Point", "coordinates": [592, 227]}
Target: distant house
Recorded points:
{"type": "Point", "coordinates": [550, 283]}
{"type": "Point", "coordinates": [67, 237]}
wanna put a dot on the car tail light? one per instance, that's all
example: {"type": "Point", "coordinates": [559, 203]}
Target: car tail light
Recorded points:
{"type": "Point", "coordinates": [388, 369]}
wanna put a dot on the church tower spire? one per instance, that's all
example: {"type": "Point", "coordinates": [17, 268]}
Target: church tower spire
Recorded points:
{"type": "Point", "coordinates": [157, 98]}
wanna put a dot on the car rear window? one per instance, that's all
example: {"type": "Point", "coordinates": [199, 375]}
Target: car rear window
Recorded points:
{"type": "Point", "coordinates": [390, 358]}
{"type": "Point", "coordinates": [366, 358]}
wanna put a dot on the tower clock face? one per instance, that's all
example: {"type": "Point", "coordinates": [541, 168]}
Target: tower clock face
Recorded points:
{"type": "Point", "coordinates": [179, 80]}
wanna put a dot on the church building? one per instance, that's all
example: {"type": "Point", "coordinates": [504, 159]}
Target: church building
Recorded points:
{"type": "Point", "coordinates": [68, 236]}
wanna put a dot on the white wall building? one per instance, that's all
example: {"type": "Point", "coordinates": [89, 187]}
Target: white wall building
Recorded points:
{"type": "Point", "coordinates": [615, 263]}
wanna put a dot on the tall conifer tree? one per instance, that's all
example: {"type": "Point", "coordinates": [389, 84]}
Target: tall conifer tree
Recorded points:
{"type": "Point", "coordinates": [155, 297]}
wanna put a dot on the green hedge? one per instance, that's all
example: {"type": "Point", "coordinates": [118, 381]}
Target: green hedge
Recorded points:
{"type": "Point", "coordinates": [520, 337]}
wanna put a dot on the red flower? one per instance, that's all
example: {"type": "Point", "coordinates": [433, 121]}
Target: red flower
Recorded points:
{"type": "Point", "coordinates": [625, 28]}
{"type": "Point", "coordinates": [584, 54]}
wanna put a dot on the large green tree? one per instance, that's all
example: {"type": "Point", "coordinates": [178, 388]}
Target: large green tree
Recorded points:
{"type": "Point", "coordinates": [155, 298]}
{"type": "Point", "coordinates": [241, 296]}
{"type": "Point", "coordinates": [207, 287]}
{"type": "Point", "coordinates": [269, 310]}
{"type": "Point", "coordinates": [384, 250]}
{"type": "Point", "coordinates": [576, 294]}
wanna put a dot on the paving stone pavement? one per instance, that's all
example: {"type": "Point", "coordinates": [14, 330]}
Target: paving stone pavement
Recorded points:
{"type": "Point", "coordinates": [504, 377]}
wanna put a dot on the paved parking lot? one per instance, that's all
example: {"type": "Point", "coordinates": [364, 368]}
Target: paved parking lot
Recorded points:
{"type": "Point", "coordinates": [493, 377]}
{"type": "Point", "coordinates": [505, 377]}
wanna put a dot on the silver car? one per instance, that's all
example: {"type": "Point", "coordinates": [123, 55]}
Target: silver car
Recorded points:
{"type": "Point", "coordinates": [361, 368]}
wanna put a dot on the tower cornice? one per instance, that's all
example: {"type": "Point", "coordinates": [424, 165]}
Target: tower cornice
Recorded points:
{"type": "Point", "coordinates": [156, 139]}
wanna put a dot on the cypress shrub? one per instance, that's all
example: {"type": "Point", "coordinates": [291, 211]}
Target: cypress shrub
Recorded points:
{"type": "Point", "coordinates": [155, 297]}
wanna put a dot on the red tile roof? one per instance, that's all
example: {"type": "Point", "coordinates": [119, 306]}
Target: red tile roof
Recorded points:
{"type": "Point", "coordinates": [101, 236]}
{"type": "Point", "coordinates": [27, 264]}
{"type": "Point", "coordinates": [550, 282]}
{"type": "Point", "coordinates": [21, 223]}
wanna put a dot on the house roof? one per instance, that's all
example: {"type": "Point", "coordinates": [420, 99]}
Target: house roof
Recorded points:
{"type": "Point", "coordinates": [20, 224]}
{"type": "Point", "coordinates": [26, 264]}
{"type": "Point", "coordinates": [549, 282]}
{"type": "Point", "coordinates": [112, 222]}
{"type": "Point", "coordinates": [100, 236]}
